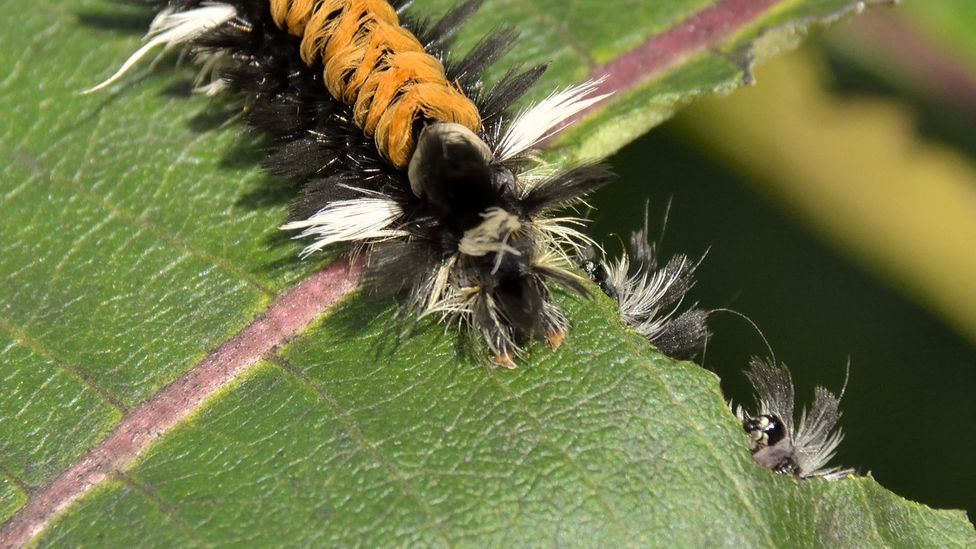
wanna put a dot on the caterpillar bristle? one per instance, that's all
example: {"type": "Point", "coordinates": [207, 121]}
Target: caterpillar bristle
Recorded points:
{"type": "Point", "coordinates": [171, 29]}
{"type": "Point", "coordinates": [438, 36]}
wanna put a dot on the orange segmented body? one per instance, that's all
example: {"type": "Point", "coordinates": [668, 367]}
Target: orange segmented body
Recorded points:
{"type": "Point", "coordinates": [378, 67]}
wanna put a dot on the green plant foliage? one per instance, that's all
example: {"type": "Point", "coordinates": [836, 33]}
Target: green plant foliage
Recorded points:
{"type": "Point", "coordinates": [386, 441]}
{"type": "Point", "coordinates": [138, 234]}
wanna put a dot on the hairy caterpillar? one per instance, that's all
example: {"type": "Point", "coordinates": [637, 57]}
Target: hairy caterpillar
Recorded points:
{"type": "Point", "coordinates": [649, 296]}
{"type": "Point", "coordinates": [800, 449]}
{"type": "Point", "coordinates": [402, 152]}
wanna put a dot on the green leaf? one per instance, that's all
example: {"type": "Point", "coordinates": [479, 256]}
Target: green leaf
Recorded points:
{"type": "Point", "coordinates": [139, 235]}
{"type": "Point", "coordinates": [384, 442]}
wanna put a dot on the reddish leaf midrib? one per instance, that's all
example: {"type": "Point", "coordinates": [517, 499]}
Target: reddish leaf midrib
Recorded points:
{"type": "Point", "coordinates": [287, 317]}
{"type": "Point", "coordinates": [700, 32]}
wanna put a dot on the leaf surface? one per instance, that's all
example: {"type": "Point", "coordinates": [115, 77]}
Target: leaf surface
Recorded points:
{"type": "Point", "coordinates": [139, 235]}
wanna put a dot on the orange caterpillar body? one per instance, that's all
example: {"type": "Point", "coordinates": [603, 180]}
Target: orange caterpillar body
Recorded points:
{"type": "Point", "coordinates": [378, 67]}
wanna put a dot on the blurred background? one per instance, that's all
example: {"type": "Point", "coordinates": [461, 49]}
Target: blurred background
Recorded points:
{"type": "Point", "coordinates": [836, 200]}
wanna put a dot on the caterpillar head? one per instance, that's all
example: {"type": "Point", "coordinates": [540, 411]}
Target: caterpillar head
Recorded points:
{"type": "Point", "coordinates": [498, 245]}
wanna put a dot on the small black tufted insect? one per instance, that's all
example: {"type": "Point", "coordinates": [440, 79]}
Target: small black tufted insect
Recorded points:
{"type": "Point", "coordinates": [650, 297]}
{"type": "Point", "coordinates": [800, 450]}
{"type": "Point", "coordinates": [770, 446]}
{"type": "Point", "coordinates": [598, 273]}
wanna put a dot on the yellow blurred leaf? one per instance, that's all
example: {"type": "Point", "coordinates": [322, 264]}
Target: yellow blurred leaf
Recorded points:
{"type": "Point", "coordinates": [856, 169]}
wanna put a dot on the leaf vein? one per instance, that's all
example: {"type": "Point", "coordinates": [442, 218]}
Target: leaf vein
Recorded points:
{"type": "Point", "coordinates": [142, 221]}
{"type": "Point", "coordinates": [18, 482]}
{"type": "Point", "coordinates": [357, 434]}
{"type": "Point", "coordinates": [170, 511]}
{"type": "Point", "coordinates": [22, 337]}
{"type": "Point", "coordinates": [584, 476]}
